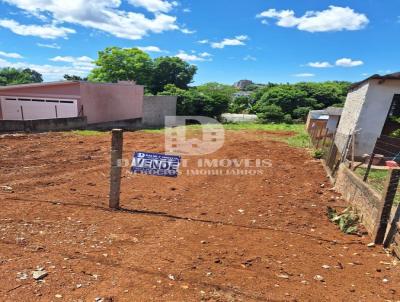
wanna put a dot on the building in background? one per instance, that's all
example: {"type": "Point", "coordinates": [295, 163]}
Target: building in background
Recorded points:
{"type": "Point", "coordinates": [324, 119]}
{"type": "Point", "coordinates": [104, 105]}
{"type": "Point", "coordinates": [99, 102]}
{"type": "Point", "coordinates": [242, 84]}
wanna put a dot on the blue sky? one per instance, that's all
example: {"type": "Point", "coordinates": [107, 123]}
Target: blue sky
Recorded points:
{"type": "Point", "coordinates": [261, 40]}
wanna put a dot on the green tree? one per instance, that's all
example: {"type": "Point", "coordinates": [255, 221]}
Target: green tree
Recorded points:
{"type": "Point", "coordinates": [184, 105]}
{"type": "Point", "coordinates": [240, 104]}
{"type": "Point", "coordinates": [171, 70]}
{"type": "Point", "coordinates": [270, 113]}
{"type": "Point", "coordinates": [326, 93]}
{"type": "Point", "coordinates": [13, 76]}
{"type": "Point", "coordinates": [287, 97]}
{"type": "Point", "coordinates": [301, 113]}
{"type": "Point", "coordinates": [122, 64]}
{"type": "Point", "coordinates": [214, 88]}
{"type": "Point", "coordinates": [194, 102]}
{"type": "Point", "coordinates": [74, 78]}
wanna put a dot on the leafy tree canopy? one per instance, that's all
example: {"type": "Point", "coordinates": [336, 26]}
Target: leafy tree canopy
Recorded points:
{"type": "Point", "coordinates": [171, 70]}
{"type": "Point", "coordinates": [122, 64]}
{"type": "Point", "coordinates": [195, 102]}
{"type": "Point", "coordinates": [13, 76]}
{"type": "Point", "coordinates": [74, 78]}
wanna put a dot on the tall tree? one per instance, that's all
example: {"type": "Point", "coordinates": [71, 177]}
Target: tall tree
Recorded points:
{"type": "Point", "coordinates": [13, 76]}
{"type": "Point", "coordinates": [122, 64]}
{"type": "Point", "coordinates": [73, 77]}
{"type": "Point", "coordinates": [171, 70]}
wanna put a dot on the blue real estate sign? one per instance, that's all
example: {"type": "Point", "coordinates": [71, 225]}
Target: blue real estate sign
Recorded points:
{"type": "Point", "coordinates": [155, 164]}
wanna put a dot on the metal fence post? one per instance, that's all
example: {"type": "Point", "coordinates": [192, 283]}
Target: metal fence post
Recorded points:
{"type": "Point", "coordinates": [389, 194]}
{"type": "Point", "coordinates": [115, 172]}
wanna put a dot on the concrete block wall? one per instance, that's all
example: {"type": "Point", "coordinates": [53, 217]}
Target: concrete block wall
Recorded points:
{"type": "Point", "coordinates": [361, 196]}
{"type": "Point", "coordinates": [60, 124]}
{"type": "Point", "coordinates": [156, 108]}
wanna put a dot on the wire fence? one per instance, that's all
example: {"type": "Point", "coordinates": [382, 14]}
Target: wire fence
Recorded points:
{"type": "Point", "coordinates": [337, 148]}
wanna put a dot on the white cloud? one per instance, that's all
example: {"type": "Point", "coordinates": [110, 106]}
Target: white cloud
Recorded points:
{"type": "Point", "coordinates": [48, 31]}
{"type": "Point", "coordinates": [249, 58]}
{"type": "Point", "coordinates": [320, 64]}
{"type": "Point", "coordinates": [346, 62]}
{"type": "Point", "coordinates": [103, 15]}
{"type": "Point", "coordinates": [11, 55]}
{"type": "Point", "coordinates": [151, 49]}
{"type": "Point", "coordinates": [335, 18]}
{"type": "Point", "coordinates": [304, 75]}
{"type": "Point", "coordinates": [187, 31]}
{"type": "Point", "coordinates": [193, 57]}
{"type": "Point", "coordinates": [205, 54]}
{"type": "Point", "coordinates": [187, 10]}
{"type": "Point", "coordinates": [154, 6]}
{"type": "Point", "coordinates": [52, 45]}
{"type": "Point", "coordinates": [53, 72]}
{"type": "Point", "coordinates": [69, 59]}
{"type": "Point", "coordinates": [203, 41]}
{"type": "Point", "coordinates": [237, 41]}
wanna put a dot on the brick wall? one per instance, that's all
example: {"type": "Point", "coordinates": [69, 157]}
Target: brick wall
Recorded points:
{"type": "Point", "coordinates": [361, 196]}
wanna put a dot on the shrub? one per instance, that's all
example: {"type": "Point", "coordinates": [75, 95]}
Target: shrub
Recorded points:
{"type": "Point", "coordinates": [301, 113]}
{"type": "Point", "coordinates": [270, 113]}
{"type": "Point", "coordinates": [346, 220]}
{"type": "Point", "coordinates": [318, 153]}
{"type": "Point", "coordinates": [240, 104]}
{"type": "Point", "coordinates": [287, 119]}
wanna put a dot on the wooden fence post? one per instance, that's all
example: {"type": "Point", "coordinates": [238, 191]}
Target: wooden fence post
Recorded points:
{"type": "Point", "coordinates": [115, 172]}
{"type": "Point", "coordinates": [393, 228]}
{"type": "Point", "coordinates": [389, 194]}
{"type": "Point", "coordinates": [371, 159]}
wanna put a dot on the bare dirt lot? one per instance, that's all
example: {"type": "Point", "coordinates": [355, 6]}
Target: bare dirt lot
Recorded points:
{"type": "Point", "coordinates": [195, 238]}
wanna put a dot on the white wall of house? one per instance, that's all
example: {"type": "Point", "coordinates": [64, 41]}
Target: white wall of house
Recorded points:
{"type": "Point", "coordinates": [350, 115]}
{"type": "Point", "coordinates": [374, 113]}
{"type": "Point", "coordinates": [366, 109]}
{"type": "Point", "coordinates": [19, 108]}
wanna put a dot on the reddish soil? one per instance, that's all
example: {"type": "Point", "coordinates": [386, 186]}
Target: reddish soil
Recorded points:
{"type": "Point", "coordinates": [195, 238]}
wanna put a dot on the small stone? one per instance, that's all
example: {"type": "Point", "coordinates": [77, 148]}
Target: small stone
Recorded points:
{"type": "Point", "coordinates": [7, 188]}
{"type": "Point", "coordinates": [304, 282]}
{"type": "Point", "coordinates": [283, 276]}
{"type": "Point", "coordinates": [325, 266]}
{"type": "Point", "coordinates": [58, 296]}
{"type": "Point", "coordinates": [38, 275]}
{"type": "Point", "coordinates": [385, 280]}
{"type": "Point", "coordinates": [22, 275]}
{"type": "Point", "coordinates": [241, 211]}
{"type": "Point", "coordinates": [319, 278]}
{"type": "Point", "coordinates": [371, 244]}
{"type": "Point", "coordinates": [171, 277]}
{"type": "Point", "coordinates": [78, 285]}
